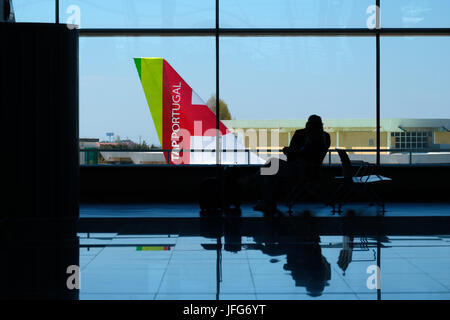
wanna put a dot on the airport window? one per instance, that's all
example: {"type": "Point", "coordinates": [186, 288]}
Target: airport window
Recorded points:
{"type": "Point", "coordinates": [293, 14]}
{"type": "Point", "coordinates": [142, 13]}
{"type": "Point", "coordinates": [34, 11]}
{"type": "Point", "coordinates": [279, 80]}
{"type": "Point", "coordinates": [412, 140]}
{"type": "Point", "coordinates": [114, 100]}
{"type": "Point", "coordinates": [271, 64]}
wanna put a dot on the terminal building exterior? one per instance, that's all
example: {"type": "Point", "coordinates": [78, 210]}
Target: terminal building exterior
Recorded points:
{"type": "Point", "coordinates": [425, 134]}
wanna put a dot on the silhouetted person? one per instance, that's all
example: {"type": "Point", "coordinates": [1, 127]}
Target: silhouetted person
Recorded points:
{"type": "Point", "coordinates": [305, 155]}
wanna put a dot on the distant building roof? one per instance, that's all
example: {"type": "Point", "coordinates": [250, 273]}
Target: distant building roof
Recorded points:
{"type": "Point", "coordinates": [389, 125]}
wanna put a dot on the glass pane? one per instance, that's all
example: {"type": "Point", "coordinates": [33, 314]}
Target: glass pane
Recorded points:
{"type": "Point", "coordinates": [294, 14]}
{"type": "Point", "coordinates": [273, 84]}
{"type": "Point", "coordinates": [140, 13]}
{"type": "Point", "coordinates": [116, 104]}
{"type": "Point", "coordinates": [415, 72]}
{"type": "Point", "coordinates": [34, 11]}
{"type": "Point", "coordinates": [415, 13]}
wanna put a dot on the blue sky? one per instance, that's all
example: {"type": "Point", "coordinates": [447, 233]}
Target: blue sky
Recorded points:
{"type": "Point", "coordinates": [261, 78]}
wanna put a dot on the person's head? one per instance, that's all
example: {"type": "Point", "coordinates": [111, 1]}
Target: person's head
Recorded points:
{"type": "Point", "coordinates": [314, 123]}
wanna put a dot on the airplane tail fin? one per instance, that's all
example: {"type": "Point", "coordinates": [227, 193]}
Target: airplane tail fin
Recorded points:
{"type": "Point", "coordinates": [183, 120]}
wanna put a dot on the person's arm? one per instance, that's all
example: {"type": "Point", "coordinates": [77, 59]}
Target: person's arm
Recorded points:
{"type": "Point", "coordinates": [327, 140]}
{"type": "Point", "coordinates": [294, 145]}
{"type": "Point", "coordinates": [327, 144]}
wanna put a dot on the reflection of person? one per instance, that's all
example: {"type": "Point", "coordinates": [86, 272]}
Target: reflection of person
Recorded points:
{"type": "Point", "coordinates": [304, 259]}
{"type": "Point", "coordinates": [345, 255]}
{"type": "Point", "coordinates": [308, 267]}
{"type": "Point", "coordinates": [305, 155]}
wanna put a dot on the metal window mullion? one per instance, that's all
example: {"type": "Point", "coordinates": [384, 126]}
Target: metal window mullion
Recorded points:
{"type": "Point", "coordinates": [378, 107]}
{"type": "Point", "coordinates": [56, 11]}
{"type": "Point", "coordinates": [263, 32]}
{"type": "Point", "coordinates": [218, 144]}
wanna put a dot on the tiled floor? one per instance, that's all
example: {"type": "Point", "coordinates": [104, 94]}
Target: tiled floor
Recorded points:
{"type": "Point", "coordinates": [126, 266]}
{"type": "Point", "coordinates": [171, 252]}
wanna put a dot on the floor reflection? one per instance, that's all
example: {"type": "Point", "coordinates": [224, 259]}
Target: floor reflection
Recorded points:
{"type": "Point", "coordinates": [228, 257]}
{"type": "Point", "coordinates": [277, 258]}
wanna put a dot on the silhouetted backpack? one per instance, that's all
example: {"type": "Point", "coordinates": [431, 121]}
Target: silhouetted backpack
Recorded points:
{"type": "Point", "coordinates": [210, 192]}
{"type": "Point", "coordinates": [209, 197]}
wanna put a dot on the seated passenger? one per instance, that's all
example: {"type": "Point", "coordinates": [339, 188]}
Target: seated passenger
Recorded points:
{"type": "Point", "coordinates": [305, 155]}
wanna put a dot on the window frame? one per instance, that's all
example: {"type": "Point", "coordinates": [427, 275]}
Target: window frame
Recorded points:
{"type": "Point", "coordinates": [219, 32]}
